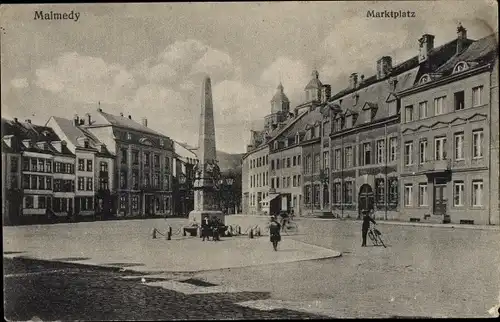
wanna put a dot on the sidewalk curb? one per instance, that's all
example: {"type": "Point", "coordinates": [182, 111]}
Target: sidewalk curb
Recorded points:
{"type": "Point", "coordinates": [401, 223]}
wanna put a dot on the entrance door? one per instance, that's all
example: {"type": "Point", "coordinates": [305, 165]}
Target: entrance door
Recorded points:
{"type": "Point", "coordinates": [365, 198]}
{"type": "Point", "coordinates": [70, 206]}
{"type": "Point", "coordinates": [440, 200]}
{"type": "Point", "coordinates": [149, 204]}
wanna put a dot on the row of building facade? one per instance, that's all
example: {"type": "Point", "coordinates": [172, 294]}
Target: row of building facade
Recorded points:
{"type": "Point", "coordinates": [100, 164]}
{"type": "Point", "coordinates": [417, 141]}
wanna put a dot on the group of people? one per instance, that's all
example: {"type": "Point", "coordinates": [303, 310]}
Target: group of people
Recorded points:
{"type": "Point", "coordinates": [211, 227]}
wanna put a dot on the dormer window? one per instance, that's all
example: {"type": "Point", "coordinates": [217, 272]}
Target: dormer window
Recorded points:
{"type": "Point", "coordinates": [369, 110]}
{"type": "Point", "coordinates": [297, 138]}
{"type": "Point", "coordinates": [338, 124]}
{"type": "Point", "coordinates": [424, 79]}
{"type": "Point", "coordinates": [276, 145]}
{"type": "Point", "coordinates": [145, 141]}
{"type": "Point", "coordinates": [162, 143]}
{"type": "Point", "coordinates": [460, 67]}
{"type": "Point", "coordinates": [86, 144]}
{"type": "Point", "coordinates": [129, 136]}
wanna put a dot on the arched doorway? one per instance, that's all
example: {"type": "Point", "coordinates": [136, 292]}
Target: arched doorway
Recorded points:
{"type": "Point", "coordinates": [365, 198]}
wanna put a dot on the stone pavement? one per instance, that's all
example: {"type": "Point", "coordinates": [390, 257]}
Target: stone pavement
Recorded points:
{"type": "Point", "coordinates": [50, 291]}
{"type": "Point", "coordinates": [423, 272]}
{"type": "Point", "coordinates": [130, 246]}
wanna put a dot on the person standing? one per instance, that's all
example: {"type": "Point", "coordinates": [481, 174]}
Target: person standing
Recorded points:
{"type": "Point", "coordinates": [205, 228]}
{"type": "Point", "coordinates": [215, 229]}
{"type": "Point", "coordinates": [274, 232]}
{"type": "Point", "coordinates": [366, 225]}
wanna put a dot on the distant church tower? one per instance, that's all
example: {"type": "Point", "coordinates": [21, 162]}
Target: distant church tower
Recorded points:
{"type": "Point", "coordinates": [314, 88]}
{"type": "Point", "coordinates": [280, 107]}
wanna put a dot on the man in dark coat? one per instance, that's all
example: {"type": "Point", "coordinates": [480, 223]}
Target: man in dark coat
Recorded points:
{"type": "Point", "coordinates": [215, 229]}
{"type": "Point", "coordinates": [274, 232]}
{"type": "Point", "coordinates": [205, 228]}
{"type": "Point", "coordinates": [366, 225]}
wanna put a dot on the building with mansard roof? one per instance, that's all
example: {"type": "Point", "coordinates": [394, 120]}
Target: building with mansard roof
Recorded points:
{"type": "Point", "coordinates": [35, 148]}
{"type": "Point", "coordinates": [450, 138]}
{"type": "Point", "coordinates": [143, 162]}
{"type": "Point", "coordinates": [365, 139]}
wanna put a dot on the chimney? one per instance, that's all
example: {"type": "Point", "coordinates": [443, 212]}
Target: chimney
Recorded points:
{"type": "Point", "coordinates": [326, 92]}
{"type": "Point", "coordinates": [76, 120]}
{"type": "Point", "coordinates": [362, 79]}
{"type": "Point", "coordinates": [16, 120]}
{"type": "Point", "coordinates": [28, 121]}
{"type": "Point", "coordinates": [130, 117]}
{"type": "Point", "coordinates": [353, 81]}
{"type": "Point", "coordinates": [145, 122]}
{"type": "Point", "coordinates": [121, 114]}
{"type": "Point", "coordinates": [426, 44]}
{"type": "Point", "coordinates": [461, 37]}
{"type": "Point", "coordinates": [82, 121]}
{"type": "Point", "coordinates": [384, 67]}
{"type": "Point", "coordinates": [89, 118]}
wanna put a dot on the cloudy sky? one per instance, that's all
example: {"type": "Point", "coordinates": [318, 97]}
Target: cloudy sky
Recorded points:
{"type": "Point", "coordinates": [147, 60]}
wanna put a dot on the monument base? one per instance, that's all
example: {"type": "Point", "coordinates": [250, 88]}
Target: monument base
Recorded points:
{"type": "Point", "coordinates": [198, 215]}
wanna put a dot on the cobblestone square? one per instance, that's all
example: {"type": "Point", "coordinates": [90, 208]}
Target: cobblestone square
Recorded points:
{"type": "Point", "coordinates": [417, 275]}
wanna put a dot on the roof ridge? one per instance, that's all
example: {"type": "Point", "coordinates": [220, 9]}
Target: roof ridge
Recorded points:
{"type": "Point", "coordinates": [347, 90]}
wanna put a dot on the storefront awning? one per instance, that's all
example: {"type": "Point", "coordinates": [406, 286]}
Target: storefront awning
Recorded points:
{"type": "Point", "coordinates": [270, 197]}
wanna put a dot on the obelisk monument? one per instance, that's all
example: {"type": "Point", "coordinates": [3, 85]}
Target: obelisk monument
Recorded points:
{"type": "Point", "coordinates": [206, 201]}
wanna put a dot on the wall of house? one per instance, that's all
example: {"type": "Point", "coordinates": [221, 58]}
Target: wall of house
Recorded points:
{"type": "Point", "coordinates": [494, 166]}
{"type": "Point", "coordinates": [68, 197]}
{"type": "Point", "coordinates": [85, 198]}
{"type": "Point", "coordinates": [256, 180]}
{"type": "Point", "coordinates": [11, 179]}
{"type": "Point", "coordinates": [385, 168]}
{"type": "Point", "coordinates": [142, 199]}
{"type": "Point", "coordinates": [311, 179]}
{"type": "Point", "coordinates": [464, 170]}
{"type": "Point", "coordinates": [285, 175]}
{"type": "Point", "coordinates": [35, 200]}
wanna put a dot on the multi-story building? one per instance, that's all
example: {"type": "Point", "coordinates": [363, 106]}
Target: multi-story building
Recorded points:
{"type": "Point", "coordinates": [257, 179]}
{"type": "Point", "coordinates": [143, 163]}
{"type": "Point", "coordinates": [93, 168]}
{"type": "Point", "coordinates": [183, 179]}
{"type": "Point", "coordinates": [364, 138]}
{"type": "Point", "coordinates": [274, 166]}
{"type": "Point", "coordinates": [256, 165]}
{"type": "Point", "coordinates": [11, 179]}
{"type": "Point", "coordinates": [38, 146]}
{"type": "Point", "coordinates": [450, 138]}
